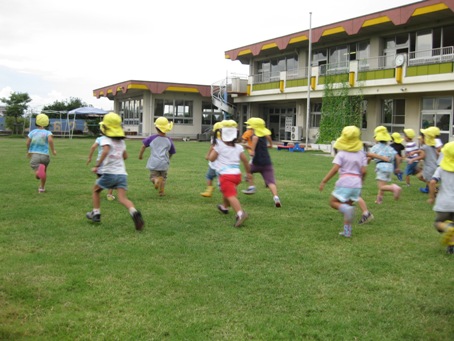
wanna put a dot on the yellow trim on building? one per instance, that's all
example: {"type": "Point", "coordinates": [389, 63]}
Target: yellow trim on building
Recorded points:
{"type": "Point", "coordinates": [181, 89]}
{"type": "Point", "coordinates": [376, 21]}
{"type": "Point", "coordinates": [298, 39]}
{"type": "Point", "coordinates": [429, 9]}
{"type": "Point", "coordinates": [242, 53]}
{"type": "Point", "coordinates": [334, 30]}
{"type": "Point", "coordinates": [269, 46]}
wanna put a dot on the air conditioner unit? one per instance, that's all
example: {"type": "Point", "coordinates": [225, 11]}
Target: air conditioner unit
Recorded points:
{"type": "Point", "coordinates": [296, 133]}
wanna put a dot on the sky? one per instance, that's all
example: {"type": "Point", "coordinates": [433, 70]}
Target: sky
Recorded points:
{"type": "Point", "coordinates": [57, 49]}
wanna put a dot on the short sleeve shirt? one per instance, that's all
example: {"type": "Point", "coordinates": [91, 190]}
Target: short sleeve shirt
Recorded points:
{"type": "Point", "coordinates": [444, 202]}
{"type": "Point", "coordinates": [161, 147]}
{"type": "Point", "coordinates": [350, 163]}
{"type": "Point", "coordinates": [384, 150]}
{"type": "Point", "coordinates": [228, 160]}
{"type": "Point", "coordinates": [39, 141]}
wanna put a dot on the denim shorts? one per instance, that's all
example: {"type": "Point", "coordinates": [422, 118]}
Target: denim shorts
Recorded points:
{"type": "Point", "coordinates": [345, 194]}
{"type": "Point", "coordinates": [211, 174]}
{"type": "Point", "coordinates": [113, 181]}
{"type": "Point", "coordinates": [411, 168]}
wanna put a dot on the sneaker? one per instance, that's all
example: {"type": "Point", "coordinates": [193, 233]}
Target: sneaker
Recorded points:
{"type": "Point", "coordinates": [96, 218]}
{"type": "Point", "coordinates": [424, 190]}
{"type": "Point", "coordinates": [41, 190]}
{"type": "Point", "coordinates": [138, 220]}
{"type": "Point", "coordinates": [249, 190]}
{"type": "Point", "coordinates": [379, 200]}
{"type": "Point", "coordinates": [277, 202]}
{"type": "Point", "coordinates": [41, 173]}
{"type": "Point", "coordinates": [347, 232]}
{"type": "Point", "coordinates": [110, 197]}
{"type": "Point", "coordinates": [241, 220]}
{"type": "Point", "coordinates": [450, 250]}
{"type": "Point", "coordinates": [222, 209]}
{"type": "Point", "coordinates": [365, 218]}
{"type": "Point", "coordinates": [399, 176]}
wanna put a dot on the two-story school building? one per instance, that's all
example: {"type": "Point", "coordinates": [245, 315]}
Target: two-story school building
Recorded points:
{"type": "Point", "coordinates": [400, 61]}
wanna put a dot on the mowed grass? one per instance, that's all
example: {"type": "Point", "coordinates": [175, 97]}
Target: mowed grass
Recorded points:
{"type": "Point", "coordinates": [190, 275]}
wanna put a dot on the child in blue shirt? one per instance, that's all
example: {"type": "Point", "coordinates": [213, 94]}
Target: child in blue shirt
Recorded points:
{"type": "Point", "coordinates": [38, 142]}
{"type": "Point", "coordinates": [384, 156]}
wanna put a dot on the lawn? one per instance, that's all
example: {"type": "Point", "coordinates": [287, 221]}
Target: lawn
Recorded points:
{"type": "Point", "coordinates": [190, 275]}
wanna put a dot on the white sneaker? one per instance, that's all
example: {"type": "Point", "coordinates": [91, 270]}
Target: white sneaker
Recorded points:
{"type": "Point", "coordinates": [249, 190]}
{"type": "Point", "coordinates": [277, 201]}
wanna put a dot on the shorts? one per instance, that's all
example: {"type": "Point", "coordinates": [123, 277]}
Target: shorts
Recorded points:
{"type": "Point", "coordinates": [266, 171]}
{"type": "Point", "coordinates": [383, 176]}
{"type": "Point", "coordinates": [38, 159]}
{"type": "Point", "coordinates": [411, 169]}
{"type": "Point", "coordinates": [229, 182]}
{"type": "Point", "coordinates": [155, 174]}
{"type": "Point", "coordinates": [113, 181]}
{"type": "Point", "coordinates": [211, 174]}
{"type": "Point", "coordinates": [345, 194]}
{"type": "Point", "coordinates": [443, 216]}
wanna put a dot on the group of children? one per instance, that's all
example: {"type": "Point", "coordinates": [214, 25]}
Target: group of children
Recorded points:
{"type": "Point", "coordinates": [226, 154]}
{"type": "Point", "coordinates": [351, 163]}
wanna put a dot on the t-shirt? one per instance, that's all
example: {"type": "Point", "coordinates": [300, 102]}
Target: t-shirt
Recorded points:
{"type": "Point", "coordinates": [410, 147]}
{"type": "Point", "coordinates": [384, 150]}
{"type": "Point", "coordinates": [350, 163]}
{"type": "Point", "coordinates": [430, 161]}
{"type": "Point", "coordinates": [444, 202]}
{"type": "Point", "coordinates": [114, 162]}
{"type": "Point", "coordinates": [228, 160]}
{"type": "Point", "coordinates": [161, 147]}
{"type": "Point", "coordinates": [39, 141]}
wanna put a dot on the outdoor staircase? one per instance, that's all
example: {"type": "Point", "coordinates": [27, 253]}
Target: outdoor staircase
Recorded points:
{"type": "Point", "coordinates": [221, 92]}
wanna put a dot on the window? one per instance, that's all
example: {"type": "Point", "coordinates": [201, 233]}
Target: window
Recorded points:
{"type": "Point", "coordinates": [131, 111]}
{"type": "Point", "coordinates": [316, 114]}
{"type": "Point", "coordinates": [178, 111]}
{"type": "Point", "coordinates": [393, 114]}
{"type": "Point", "coordinates": [269, 70]}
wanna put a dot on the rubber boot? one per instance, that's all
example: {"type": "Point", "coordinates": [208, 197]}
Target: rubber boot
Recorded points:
{"type": "Point", "coordinates": [208, 192]}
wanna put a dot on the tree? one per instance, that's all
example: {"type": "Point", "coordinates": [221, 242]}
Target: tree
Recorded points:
{"type": "Point", "coordinates": [16, 106]}
{"type": "Point", "coordinates": [55, 109]}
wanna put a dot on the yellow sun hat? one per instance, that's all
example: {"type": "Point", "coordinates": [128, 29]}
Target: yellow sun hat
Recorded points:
{"type": "Point", "coordinates": [258, 125]}
{"type": "Point", "coordinates": [163, 124]}
{"type": "Point", "coordinates": [410, 133]}
{"type": "Point", "coordinates": [229, 124]}
{"type": "Point", "coordinates": [397, 138]}
{"type": "Point", "coordinates": [111, 125]}
{"type": "Point", "coordinates": [217, 126]}
{"type": "Point", "coordinates": [447, 162]}
{"type": "Point", "coordinates": [350, 140]}
{"type": "Point", "coordinates": [42, 120]}
{"type": "Point", "coordinates": [429, 136]}
{"type": "Point", "coordinates": [381, 134]}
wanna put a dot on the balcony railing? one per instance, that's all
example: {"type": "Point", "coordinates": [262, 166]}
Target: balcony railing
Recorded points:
{"type": "Point", "coordinates": [377, 63]}
{"type": "Point", "coordinates": [439, 55]}
{"type": "Point", "coordinates": [334, 68]}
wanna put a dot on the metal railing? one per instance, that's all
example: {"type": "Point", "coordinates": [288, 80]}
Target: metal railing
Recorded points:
{"type": "Point", "coordinates": [377, 63]}
{"type": "Point", "coordinates": [334, 68]}
{"type": "Point", "coordinates": [433, 56]}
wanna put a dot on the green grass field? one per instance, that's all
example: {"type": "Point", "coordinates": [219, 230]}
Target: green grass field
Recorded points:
{"type": "Point", "coordinates": [190, 275]}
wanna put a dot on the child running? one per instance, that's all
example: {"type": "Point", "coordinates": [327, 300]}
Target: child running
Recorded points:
{"type": "Point", "coordinates": [429, 154]}
{"type": "Point", "coordinates": [39, 141]}
{"type": "Point", "coordinates": [113, 169]}
{"type": "Point", "coordinates": [211, 172]}
{"type": "Point", "coordinates": [383, 156]}
{"type": "Point", "coordinates": [97, 145]}
{"type": "Point", "coordinates": [261, 160]}
{"type": "Point", "coordinates": [410, 147]}
{"type": "Point", "coordinates": [228, 155]}
{"type": "Point", "coordinates": [161, 150]}
{"type": "Point", "coordinates": [444, 201]}
{"type": "Point", "coordinates": [350, 163]}
{"type": "Point", "coordinates": [399, 148]}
